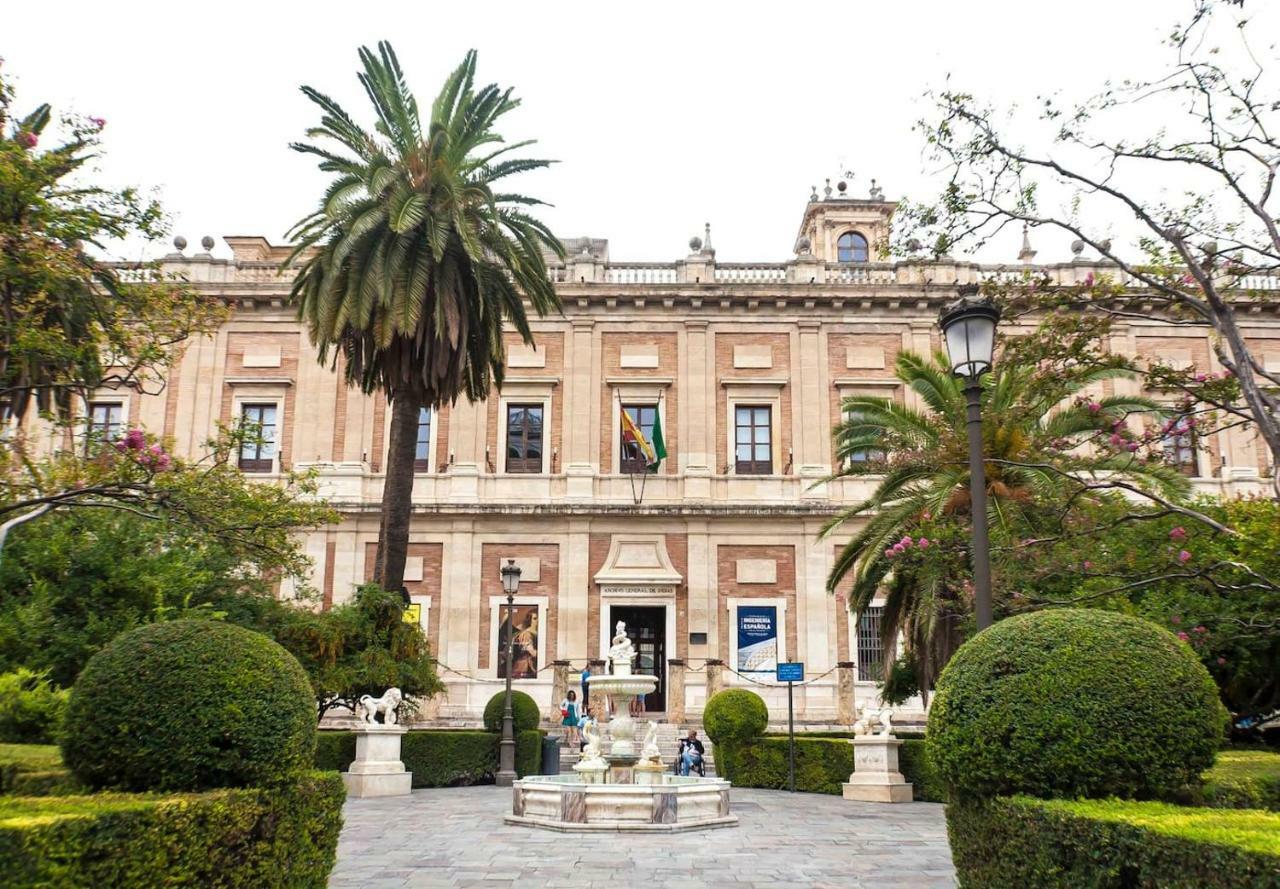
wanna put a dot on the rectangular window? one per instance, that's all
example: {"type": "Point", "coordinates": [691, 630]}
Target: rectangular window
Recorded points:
{"type": "Point", "coordinates": [106, 421]}
{"type": "Point", "coordinates": [258, 451]}
{"type": "Point", "coordinates": [1180, 448]}
{"type": "Point", "coordinates": [524, 438]}
{"type": "Point", "coordinates": [870, 645]}
{"type": "Point", "coordinates": [524, 631]}
{"type": "Point", "coordinates": [422, 451]}
{"type": "Point", "coordinates": [631, 458]}
{"type": "Point", "coordinates": [865, 455]}
{"type": "Point", "coordinates": [752, 438]}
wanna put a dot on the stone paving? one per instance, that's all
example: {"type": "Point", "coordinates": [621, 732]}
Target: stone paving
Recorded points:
{"type": "Point", "coordinates": [455, 838]}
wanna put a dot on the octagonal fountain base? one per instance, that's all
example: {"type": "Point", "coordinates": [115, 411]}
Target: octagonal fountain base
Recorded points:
{"type": "Point", "coordinates": [671, 803]}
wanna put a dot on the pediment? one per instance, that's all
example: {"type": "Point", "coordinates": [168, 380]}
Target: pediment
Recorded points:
{"type": "Point", "coordinates": [639, 559]}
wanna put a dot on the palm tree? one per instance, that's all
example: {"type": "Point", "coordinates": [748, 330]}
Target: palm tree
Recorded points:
{"type": "Point", "coordinates": [414, 260]}
{"type": "Point", "coordinates": [1039, 437]}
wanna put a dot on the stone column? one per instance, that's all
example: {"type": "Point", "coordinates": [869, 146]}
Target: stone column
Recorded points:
{"type": "Point", "coordinates": [559, 685]}
{"type": "Point", "coordinates": [875, 777]}
{"type": "Point", "coordinates": [846, 706]}
{"type": "Point", "coordinates": [715, 677]}
{"type": "Point", "coordinates": [675, 690]}
{"type": "Point", "coordinates": [598, 700]}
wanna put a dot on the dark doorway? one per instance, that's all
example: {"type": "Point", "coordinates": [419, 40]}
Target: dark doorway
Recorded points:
{"type": "Point", "coordinates": [647, 629]}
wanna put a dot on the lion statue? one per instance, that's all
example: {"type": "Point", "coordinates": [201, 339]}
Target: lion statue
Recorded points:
{"type": "Point", "coordinates": [368, 707]}
{"type": "Point", "coordinates": [871, 719]}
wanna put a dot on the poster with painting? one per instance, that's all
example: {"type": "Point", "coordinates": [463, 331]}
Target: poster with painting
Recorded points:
{"type": "Point", "coordinates": [524, 653]}
{"type": "Point", "coordinates": [757, 638]}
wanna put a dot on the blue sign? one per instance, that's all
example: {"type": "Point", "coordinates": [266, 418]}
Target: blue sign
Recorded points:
{"type": "Point", "coordinates": [792, 672]}
{"type": "Point", "coordinates": [757, 638]}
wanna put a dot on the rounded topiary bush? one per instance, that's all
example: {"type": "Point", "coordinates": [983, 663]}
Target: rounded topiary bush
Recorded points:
{"type": "Point", "coordinates": [524, 710]}
{"type": "Point", "coordinates": [735, 715]}
{"type": "Point", "coordinates": [190, 705]}
{"type": "Point", "coordinates": [1072, 703]}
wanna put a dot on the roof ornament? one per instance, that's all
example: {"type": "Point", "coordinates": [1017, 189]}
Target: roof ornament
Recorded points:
{"type": "Point", "coordinates": [695, 244]}
{"type": "Point", "coordinates": [813, 193]}
{"type": "Point", "coordinates": [826, 192]}
{"type": "Point", "coordinates": [1077, 248]}
{"type": "Point", "coordinates": [1026, 254]}
{"type": "Point", "coordinates": [706, 240]}
{"type": "Point", "coordinates": [207, 243]}
{"type": "Point", "coordinates": [877, 193]}
{"type": "Point", "coordinates": [180, 243]}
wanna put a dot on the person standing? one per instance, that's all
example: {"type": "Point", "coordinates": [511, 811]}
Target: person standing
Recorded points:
{"type": "Point", "coordinates": [586, 689]}
{"type": "Point", "coordinates": [569, 717]}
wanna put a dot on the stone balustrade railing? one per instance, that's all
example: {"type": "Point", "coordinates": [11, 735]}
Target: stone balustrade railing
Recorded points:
{"type": "Point", "coordinates": [704, 270]}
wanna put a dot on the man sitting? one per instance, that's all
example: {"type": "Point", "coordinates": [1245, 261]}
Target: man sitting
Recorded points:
{"type": "Point", "coordinates": [689, 755]}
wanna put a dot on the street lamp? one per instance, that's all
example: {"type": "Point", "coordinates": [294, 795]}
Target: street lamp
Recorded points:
{"type": "Point", "coordinates": [507, 746]}
{"type": "Point", "coordinates": [969, 329]}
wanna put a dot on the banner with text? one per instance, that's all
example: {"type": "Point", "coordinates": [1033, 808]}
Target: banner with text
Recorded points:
{"type": "Point", "coordinates": [757, 638]}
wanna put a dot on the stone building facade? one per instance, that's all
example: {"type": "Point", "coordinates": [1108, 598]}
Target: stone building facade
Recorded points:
{"type": "Point", "coordinates": [711, 560]}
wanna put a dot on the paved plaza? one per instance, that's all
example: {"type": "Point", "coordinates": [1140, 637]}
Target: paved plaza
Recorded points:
{"type": "Point", "coordinates": [455, 837]}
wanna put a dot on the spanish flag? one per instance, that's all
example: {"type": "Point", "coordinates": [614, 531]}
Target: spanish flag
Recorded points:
{"type": "Point", "coordinates": [654, 452]}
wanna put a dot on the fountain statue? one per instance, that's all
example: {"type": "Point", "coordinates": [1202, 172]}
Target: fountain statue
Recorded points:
{"type": "Point", "coordinates": [621, 686]}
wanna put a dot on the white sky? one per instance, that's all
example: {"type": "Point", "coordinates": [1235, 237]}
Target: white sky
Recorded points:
{"type": "Point", "coordinates": [663, 115]}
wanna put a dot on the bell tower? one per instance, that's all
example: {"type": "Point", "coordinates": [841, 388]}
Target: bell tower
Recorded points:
{"type": "Point", "coordinates": [839, 227]}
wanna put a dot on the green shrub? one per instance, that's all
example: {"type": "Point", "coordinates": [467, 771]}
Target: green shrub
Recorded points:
{"type": "Point", "coordinates": [822, 764]}
{"type": "Point", "coordinates": [524, 711]}
{"type": "Point", "coordinates": [735, 715]}
{"type": "Point", "coordinates": [285, 836]}
{"type": "Point", "coordinates": [1019, 842]}
{"type": "Point", "coordinates": [20, 764]}
{"type": "Point", "coordinates": [913, 762]}
{"type": "Point", "coordinates": [440, 758]}
{"type": "Point", "coordinates": [189, 705]}
{"type": "Point", "coordinates": [1070, 703]}
{"type": "Point", "coordinates": [1242, 779]}
{"type": "Point", "coordinates": [31, 708]}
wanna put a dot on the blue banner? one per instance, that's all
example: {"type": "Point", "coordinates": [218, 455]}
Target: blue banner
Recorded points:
{"type": "Point", "coordinates": [757, 638]}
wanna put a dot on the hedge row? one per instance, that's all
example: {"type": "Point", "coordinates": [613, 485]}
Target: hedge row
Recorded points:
{"type": "Point", "coordinates": [823, 764]}
{"type": "Point", "coordinates": [440, 758]}
{"type": "Point", "coordinates": [1016, 842]}
{"type": "Point", "coordinates": [282, 837]}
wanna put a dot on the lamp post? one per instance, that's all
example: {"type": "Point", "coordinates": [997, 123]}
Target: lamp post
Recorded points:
{"type": "Point", "coordinates": [506, 775]}
{"type": "Point", "coordinates": [969, 329]}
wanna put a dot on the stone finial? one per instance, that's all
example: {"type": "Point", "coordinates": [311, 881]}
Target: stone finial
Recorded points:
{"type": "Point", "coordinates": [706, 240]}
{"type": "Point", "coordinates": [1105, 245]}
{"type": "Point", "coordinates": [826, 192]}
{"type": "Point", "coordinates": [914, 246]}
{"type": "Point", "coordinates": [207, 243]}
{"type": "Point", "coordinates": [842, 187]}
{"type": "Point", "coordinates": [1026, 254]}
{"type": "Point", "coordinates": [877, 193]}
{"type": "Point", "coordinates": [180, 243]}
{"type": "Point", "coordinates": [695, 244]}
{"type": "Point", "coordinates": [813, 192]}
{"type": "Point", "coordinates": [802, 246]}
{"type": "Point", "coordinates": [1077, 247]}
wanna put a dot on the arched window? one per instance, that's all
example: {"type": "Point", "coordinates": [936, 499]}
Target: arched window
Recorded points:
{"type": "Point", "coordinates": [852, 247]}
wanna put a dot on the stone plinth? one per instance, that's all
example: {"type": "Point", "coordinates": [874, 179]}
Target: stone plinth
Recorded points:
{"type": "Point", "coordinates": [592, 771]}
{"type": "Point", "coordinates": [377, 769]}
{"type": "Point", "coordinates": [875, 777]}
{"type": "Point", "coordinates": [649, 772]}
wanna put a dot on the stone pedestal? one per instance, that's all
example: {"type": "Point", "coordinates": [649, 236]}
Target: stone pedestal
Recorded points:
{"type": "Point", "coordinates": [845, 705]}
{"type": "Point", "coordinates": [591, 771]}
{"type": "Point", "coordinates": [675, 690]}
{"type": "Point", "coordinates": [649, 772]}
{"type": "Point", "coordinates": [715, 677]}
{"type": "Point", "coordinates": [377, 769]}
{"type": "Point", "coordinates": [875, 777]}
{"type": "Point", "coordinates": [621, 768]}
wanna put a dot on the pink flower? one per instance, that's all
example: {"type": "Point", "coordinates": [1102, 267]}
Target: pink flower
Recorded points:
{"type": "Point", "coordinates": [98, 122]}
{"type": "Point", "coordinates": [906, 542]}
{"type": "Point", "coordinates": [28, 139]}
{"type": "Point", "coordinates": [1118, 424]}
{"type": "Point", "coordinates": [1187, 279]}
{"type": "Point", "coordinates": [1200, 629]}
{"type": "Point", "coordinates": [1094, 407]}
{"type": "Point", "coordinates": [1115, 439]}
{"type": "Point", "coordinates": [1131, 446]}
{"type": "Point", "coordinates": [898, 547]}
{"type": "Point", "coordinates": [926, 515]}
{"type": "Point", "coordinates": [1176, 619]}
{"type": "Point", "coordinates": [889, 553]}
{"type": "Point", "coordinates": [924, 543]}
{"type": "Point", "coordinates": [1088, 280]}
{"type": "Point", "coordinates": [1087, 564]}
{"type": "Point", "coordinates": [1222, 662]}
{"type": "Point", "coordinates": [1184, 556]}
{"type": "Point", "coordinates": [1183, 636]}
{"type": "Point", "coordinates": [1178, 533]}
{"type": "Point", "coordinates": [162, 462]}
{"type": "Point", "coordinates": [1200, 378]}
{"type": "Point", "coordinates": [135, 439]}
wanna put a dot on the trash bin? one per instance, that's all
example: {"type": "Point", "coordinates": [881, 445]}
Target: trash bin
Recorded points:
{"type": "Point", "coordinates": [550, 755]}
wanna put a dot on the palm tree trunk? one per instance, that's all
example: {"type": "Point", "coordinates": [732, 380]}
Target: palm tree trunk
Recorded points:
{"type": "Point", "coordinates": [397, 494]}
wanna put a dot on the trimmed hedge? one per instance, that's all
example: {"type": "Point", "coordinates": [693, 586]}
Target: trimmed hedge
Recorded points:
{"type": "Point", "coordinates": [824, 761]}
{"type": "Point", "coordinates": [1074, 703]}
{"type": "Point", "coordinates": [735, 715]}
{"type": "Point", "coordinates": [913, 761]}
{"type": "Point", "coordinates": [282, 837]}
{"type": "Point", "coordinates": [1018, 842]}
{"type": "Point", "coordinates": [190, 705]}
{"type": "Point", "coordinates": [524, 712]}
{"type": "Point", "coordinates": [440, 758]}
{"type": "Point", "coordinates": [1242, 779]}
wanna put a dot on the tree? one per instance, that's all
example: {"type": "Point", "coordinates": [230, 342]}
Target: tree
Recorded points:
{"type": "Point", "coordinates": [1050, 450]}
{"type": "Point", "coordinates": [413, 260]}
{"type": "Point", "coordinates": [362, 647]}
{"type": "Point", "coordinates": [1209, 251]}
{"type": "Point", "coordinates": [69, 322]}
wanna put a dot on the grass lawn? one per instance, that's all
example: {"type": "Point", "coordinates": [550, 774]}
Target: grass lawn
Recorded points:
{"type": "Point", "coordinates": [32, 757]}
{"type": "Point", "coordinates": [1249, 829]}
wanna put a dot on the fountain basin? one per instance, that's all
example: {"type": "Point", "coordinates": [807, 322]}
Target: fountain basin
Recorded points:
{"type": "Point", "coordinates": [672, 803]}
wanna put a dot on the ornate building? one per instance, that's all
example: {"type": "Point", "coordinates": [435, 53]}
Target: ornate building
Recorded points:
{"type": "Point", "coordinates": [715, 560]}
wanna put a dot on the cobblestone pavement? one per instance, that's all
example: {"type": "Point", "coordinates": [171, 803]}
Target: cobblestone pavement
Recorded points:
{"type": "Point", "coordinates": [456, 838]}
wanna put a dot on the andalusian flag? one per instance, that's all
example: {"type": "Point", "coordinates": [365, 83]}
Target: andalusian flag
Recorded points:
{"type": "Point", "coordinates": [655, 451]}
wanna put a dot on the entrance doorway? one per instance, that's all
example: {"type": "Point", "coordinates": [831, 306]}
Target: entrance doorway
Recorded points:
{"type": "Point", "coordinates": [647, 630]}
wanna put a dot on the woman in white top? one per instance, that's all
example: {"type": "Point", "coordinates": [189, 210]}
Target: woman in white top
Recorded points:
{"type": "Point", "coordinates": [569, 717]}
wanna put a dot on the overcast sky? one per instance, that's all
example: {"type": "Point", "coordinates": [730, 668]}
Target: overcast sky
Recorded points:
{"type": "Point", "coordinates": [663, 115]}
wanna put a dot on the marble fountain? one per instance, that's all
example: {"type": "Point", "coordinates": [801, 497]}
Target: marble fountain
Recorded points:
{"type": "Point", "coordinates": [621, 790]}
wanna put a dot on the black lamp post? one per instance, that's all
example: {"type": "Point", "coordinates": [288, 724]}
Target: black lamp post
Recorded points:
{"type": "Point", "coordinates": [506, 775]}
{"type": "Point", "coordinates": [969, 329]}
